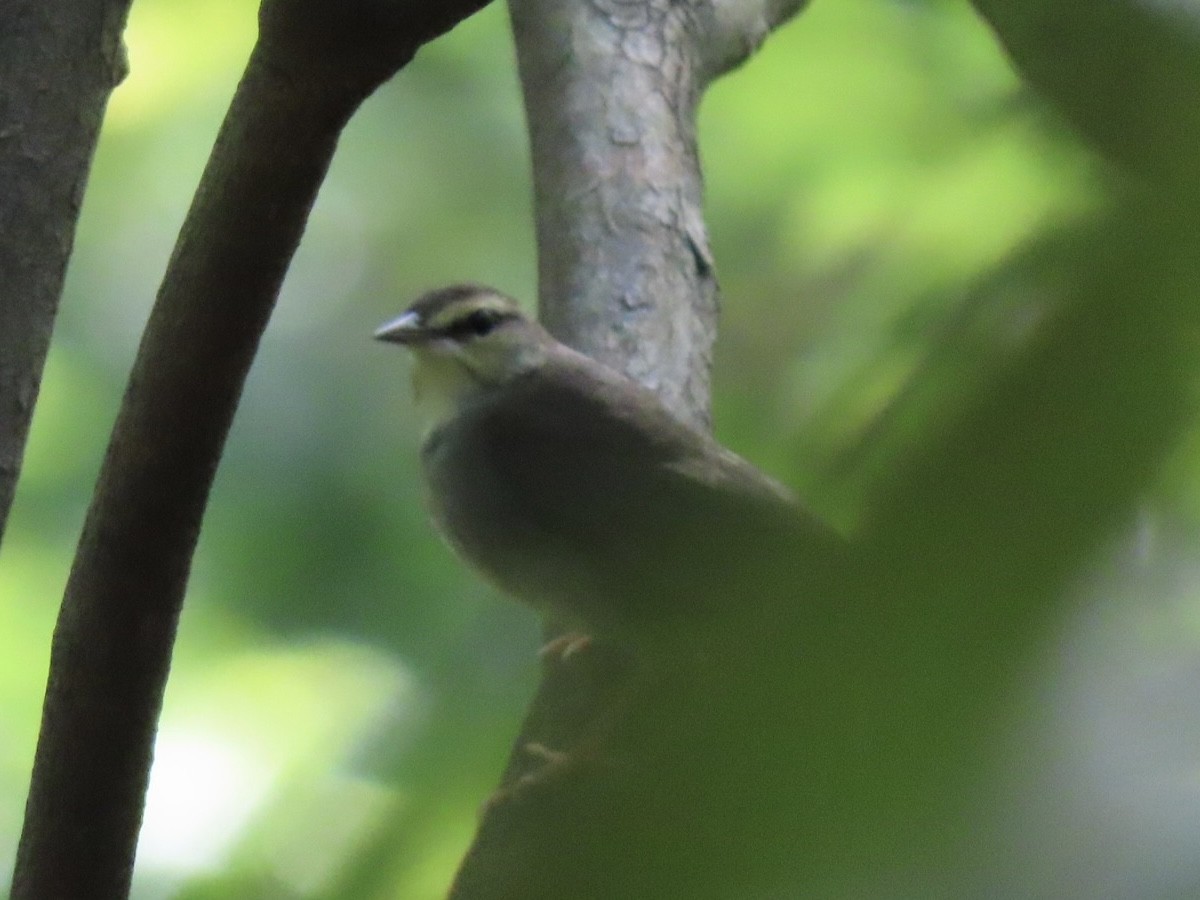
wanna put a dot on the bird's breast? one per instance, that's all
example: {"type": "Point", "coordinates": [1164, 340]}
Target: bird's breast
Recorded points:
{"type": "Point", "coordinates": [482, 514]}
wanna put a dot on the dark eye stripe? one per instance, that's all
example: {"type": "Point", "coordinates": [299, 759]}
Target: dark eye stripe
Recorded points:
{"type": "Point", "coordinates": [476, 323]}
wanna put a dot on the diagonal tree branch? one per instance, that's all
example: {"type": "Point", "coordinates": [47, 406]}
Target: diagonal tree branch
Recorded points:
{"type": "Point", "coordinates": [734, 29]}
{"type": "Point", "coordinates": [58, 65]}
{"type": "Point", "coordinates": [314, 62]}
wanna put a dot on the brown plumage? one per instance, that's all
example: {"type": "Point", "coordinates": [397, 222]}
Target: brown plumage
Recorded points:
{"type": "Point", "coordinates": [576, 490]}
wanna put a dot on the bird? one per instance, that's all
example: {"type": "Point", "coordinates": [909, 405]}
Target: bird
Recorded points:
{"type": "Point", "coordinates": [576, 490]}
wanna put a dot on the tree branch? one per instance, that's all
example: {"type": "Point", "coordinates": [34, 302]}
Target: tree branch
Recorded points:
{"type": "Point", "coordinates": [845, 746]}
{"type": "Point", "coordinates": [625, 272]}
{"type": "Point", "coordinates": [625, 275]}
{"type": "Point", "coordinates": [734, 29]}
{"type": "Point", "coordinates": [312, 65]}
{"type": "Point", "coordinates": [58, 65]}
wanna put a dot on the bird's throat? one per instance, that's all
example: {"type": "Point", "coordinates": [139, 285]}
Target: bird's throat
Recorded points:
{"type": "Point", "coordinates": [441, 387]}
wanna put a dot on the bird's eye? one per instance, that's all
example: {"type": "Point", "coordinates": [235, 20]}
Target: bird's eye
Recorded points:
{"type": "Point", "coordinates": [478, 323]}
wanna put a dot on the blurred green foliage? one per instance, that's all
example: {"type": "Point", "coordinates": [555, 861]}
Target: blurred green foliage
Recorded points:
{"type": "Point", "coordinates": [344, 694]}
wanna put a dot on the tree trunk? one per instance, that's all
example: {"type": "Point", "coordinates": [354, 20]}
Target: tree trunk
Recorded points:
{"type": "Point", "coordinates": [881, 705]}
{"type": "Point", "coordinates": [625, 275]}
{"type": "Point", "coordinates": [58, 65]}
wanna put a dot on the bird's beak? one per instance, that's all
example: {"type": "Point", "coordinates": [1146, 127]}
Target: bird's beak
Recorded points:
{"type": "Point", "coordinates": [404, 329]}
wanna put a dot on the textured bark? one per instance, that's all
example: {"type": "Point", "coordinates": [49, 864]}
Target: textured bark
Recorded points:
{"type": "Point", "coordinates": [625, 275]}
{"type": "Point", "coordinates": [839, 754]}
{"type": "Point", "coordinates": [624, 267]}
{"type": "Point", "coordinates": [58, 65]}
{"type": "Point", "coordinates": [314, 62]}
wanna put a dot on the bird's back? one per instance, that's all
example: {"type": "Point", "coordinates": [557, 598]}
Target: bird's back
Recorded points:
{"type": "Point", "coordinates": [569, 497]}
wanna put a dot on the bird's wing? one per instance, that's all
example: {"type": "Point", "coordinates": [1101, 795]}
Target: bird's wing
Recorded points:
{"type": "Point", "coordinates": [652, 504]}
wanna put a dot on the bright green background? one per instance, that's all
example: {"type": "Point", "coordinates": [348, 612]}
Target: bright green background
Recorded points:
{"type": "Point", "coordinates": [344, 694]}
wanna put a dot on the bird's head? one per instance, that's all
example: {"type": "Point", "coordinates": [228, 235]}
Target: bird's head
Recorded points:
{"type": "Point", "coordinates": [466, 340]}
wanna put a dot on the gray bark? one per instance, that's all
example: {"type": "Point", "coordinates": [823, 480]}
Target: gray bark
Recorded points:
{"type": "Point", "coordinates": [58, 65]}
{"type": "Point", "coordinates": [624, 266]}
{"type": "Point", "coordinates": [865, 710]}
{"type": "Point", "coordinates": [626, 275]}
